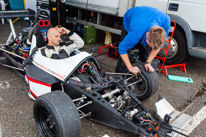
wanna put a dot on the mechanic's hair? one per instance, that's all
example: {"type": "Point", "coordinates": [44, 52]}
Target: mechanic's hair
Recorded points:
{"type": "Point", "coordinates": [156, 36]}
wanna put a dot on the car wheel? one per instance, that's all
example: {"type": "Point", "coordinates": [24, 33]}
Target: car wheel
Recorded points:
{"type": "Point", "coordinates": [148, 85]}
{"type": "Point", "coordinates": [56, 115]}
{"type": "Point", "coordinates": [178, 48]}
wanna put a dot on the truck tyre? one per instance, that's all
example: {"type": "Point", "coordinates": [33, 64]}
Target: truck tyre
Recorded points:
{"type": "Point", "coordinates": [148, 85]}
{"type": "Point", "coordinates": [178, 48]}
{"type": "Point", "coordinates": [56, 115]}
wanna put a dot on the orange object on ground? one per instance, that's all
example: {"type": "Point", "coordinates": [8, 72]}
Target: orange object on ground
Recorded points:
{"type": "Point", "coordinates": [164, 68]}
{"type": "Point", "coordinates": [182, 67]}
{"type": "Point", "coordinates": [100, 48]}
{"type": "Point", "coordinates": [166, 50]}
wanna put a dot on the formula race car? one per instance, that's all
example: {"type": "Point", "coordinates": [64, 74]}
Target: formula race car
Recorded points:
{"type": "Point", "coordinates": [66, 90]}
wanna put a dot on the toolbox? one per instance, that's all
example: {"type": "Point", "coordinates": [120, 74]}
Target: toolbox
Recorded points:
{"type": "Point", "coordinates": [112, 51]}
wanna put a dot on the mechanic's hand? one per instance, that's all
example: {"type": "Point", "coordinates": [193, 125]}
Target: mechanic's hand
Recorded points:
{"type": "Point", "coordinates": [148, 68]}
{"type": "Point", "coordinates": [134, 70]}
{"type": "Point", "coordinates": [63, 30]}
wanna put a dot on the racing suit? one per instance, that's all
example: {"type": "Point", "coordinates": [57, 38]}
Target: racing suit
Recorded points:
{"type": "Point", "coordinates": [64, 49]}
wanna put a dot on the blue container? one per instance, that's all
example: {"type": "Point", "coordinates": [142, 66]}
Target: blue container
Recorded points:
{"type": "Point", "coordinates": [16, 4]}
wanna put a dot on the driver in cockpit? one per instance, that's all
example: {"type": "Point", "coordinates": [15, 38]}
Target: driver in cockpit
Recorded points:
{"type": "Point", "coordinates": [55, 49]}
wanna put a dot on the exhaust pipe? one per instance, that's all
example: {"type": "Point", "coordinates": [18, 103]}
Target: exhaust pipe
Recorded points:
{"type": "Point", "coordinates": [81, 84]}
{"type": "Point", "coordinates": [14, 62]}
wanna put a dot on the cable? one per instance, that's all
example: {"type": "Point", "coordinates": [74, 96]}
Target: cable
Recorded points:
{"type": "Point", "coordinates": [146, 120]}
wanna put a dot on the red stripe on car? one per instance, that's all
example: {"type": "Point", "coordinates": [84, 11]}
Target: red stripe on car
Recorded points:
{"type": "Point", "coordinates": [38, 82]}
{"type": "Point", "coordinates": [33, 94]}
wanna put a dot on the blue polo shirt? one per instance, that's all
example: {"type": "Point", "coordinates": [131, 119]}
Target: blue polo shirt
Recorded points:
{"type": "Point", "coordinates": [137, 22]}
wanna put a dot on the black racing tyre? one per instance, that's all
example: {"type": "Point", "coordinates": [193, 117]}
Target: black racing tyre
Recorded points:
{"type": "Point", "coordinates": [56, 115]}
{"type": "Point", "coordinates": [31, 32]}
{"type": "Point", "coordinates": [148, 85]}
{"type": "Point", "coordinates": [178, 48]}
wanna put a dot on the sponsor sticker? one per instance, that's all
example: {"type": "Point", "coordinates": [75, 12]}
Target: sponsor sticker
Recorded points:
{"type": "Point", "coordinates": [50, 71]}
{"type": "Point", "coordinates": [43, 67]}
{"type": "Point", "coordinates": [60, 76]}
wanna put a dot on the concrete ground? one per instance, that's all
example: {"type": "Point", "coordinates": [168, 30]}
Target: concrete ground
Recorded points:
{"type": "Point", "coordinates": [16, 116]}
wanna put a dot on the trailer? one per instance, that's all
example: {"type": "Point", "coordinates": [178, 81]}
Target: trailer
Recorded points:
{"type": "Point", "coordinates": [190, 33]}
{"type": "Point", "coordinates": [189, 37]}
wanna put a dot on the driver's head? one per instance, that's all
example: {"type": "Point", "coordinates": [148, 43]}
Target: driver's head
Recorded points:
{"type": "Point", "coordinates": [155, 37]}
{"type": "Point", "coordinates": [53, 36]}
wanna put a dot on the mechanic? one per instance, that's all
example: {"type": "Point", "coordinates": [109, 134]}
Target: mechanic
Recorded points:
{"type": "Point", "coordinates": [56, 50]}
{"type": "Point", "coordinates": [146, 28]}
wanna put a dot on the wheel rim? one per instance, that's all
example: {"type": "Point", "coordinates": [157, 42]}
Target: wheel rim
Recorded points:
{"type": "Point", "coordinates": [46, 123]}
{"type": "Point", "coordinates": [140, 88]}
{"type": "Point", "coordinates": [172, 49]}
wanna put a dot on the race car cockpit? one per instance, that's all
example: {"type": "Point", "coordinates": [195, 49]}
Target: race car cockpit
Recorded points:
{"type": "Point", "coordinates": [47, 70]}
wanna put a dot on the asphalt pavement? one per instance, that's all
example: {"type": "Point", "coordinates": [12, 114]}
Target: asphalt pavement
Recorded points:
{"type": "Point", "coordinates": [16, 114]}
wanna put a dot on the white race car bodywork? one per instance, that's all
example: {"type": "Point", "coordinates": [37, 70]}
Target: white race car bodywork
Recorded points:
{"type": "Point", "coordinates": [60, 68]}
{"type": "Point", "coordinates": [37, 88]}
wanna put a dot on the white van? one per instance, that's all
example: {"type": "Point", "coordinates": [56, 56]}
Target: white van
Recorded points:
{"type": "Point", "coordinates": [190, 33]}
{"type": "Point", "coordinates": [189, 15]}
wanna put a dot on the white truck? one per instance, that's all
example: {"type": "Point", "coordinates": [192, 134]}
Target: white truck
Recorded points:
{"type": "Point", "coordinates": [189, 15]}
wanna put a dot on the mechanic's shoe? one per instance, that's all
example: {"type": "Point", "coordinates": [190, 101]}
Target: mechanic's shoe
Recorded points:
{"type": "Point", "coordinates": [30, 95]}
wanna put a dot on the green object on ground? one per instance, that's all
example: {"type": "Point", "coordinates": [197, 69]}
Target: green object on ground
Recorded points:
{"type": "Point", "coordinates": [90, 34]}
{"type": "Point", "coordinates": [179, 78]}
